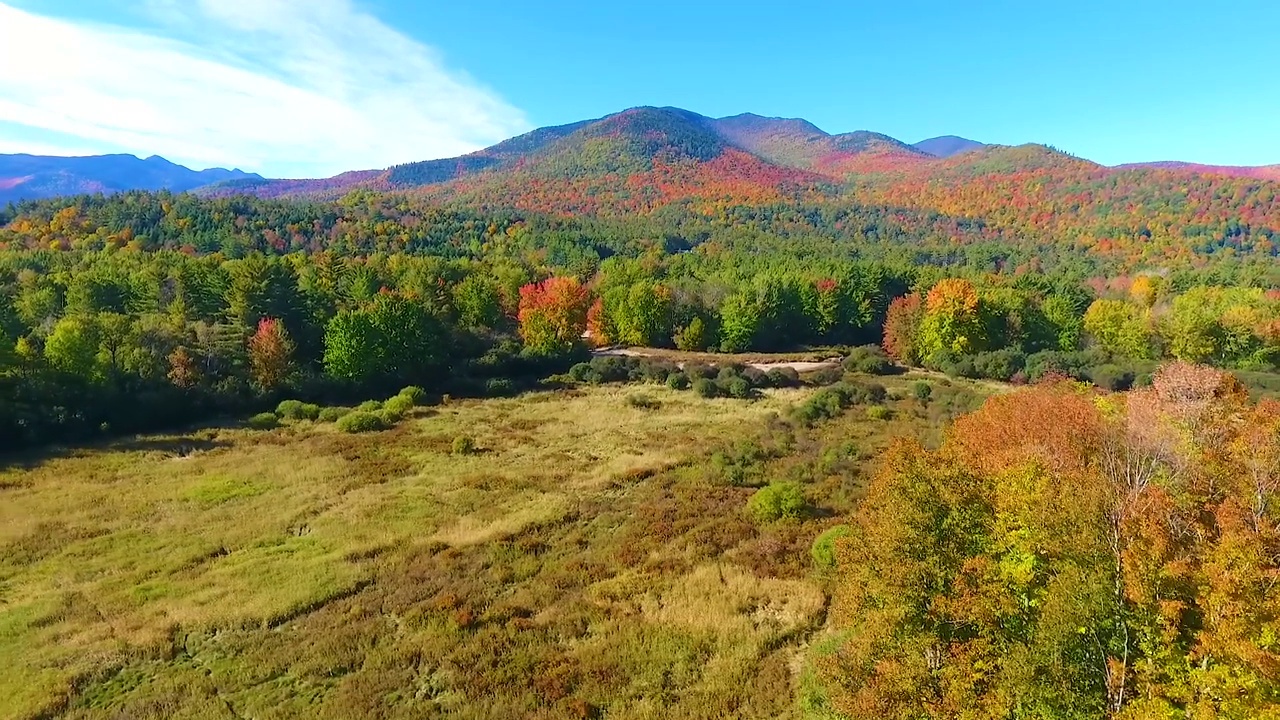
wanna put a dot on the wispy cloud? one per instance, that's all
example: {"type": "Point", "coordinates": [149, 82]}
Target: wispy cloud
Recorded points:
{"type": "Point", "coordinates": [294, 88]}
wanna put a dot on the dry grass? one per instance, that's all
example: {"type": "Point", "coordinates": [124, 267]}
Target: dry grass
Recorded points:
{"type": "Point", "coordinates": [587, 560]}
{"type": "Point", "coordinates": [113, 548]}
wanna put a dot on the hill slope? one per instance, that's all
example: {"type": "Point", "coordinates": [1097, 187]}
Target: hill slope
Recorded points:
{"type": "Point", "coordinates": [1262, 172]}
{"type": "Point", "coordinates": [25, 177]}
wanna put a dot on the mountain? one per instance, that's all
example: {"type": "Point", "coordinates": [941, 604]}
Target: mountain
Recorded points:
{"type": "Point", "coordinates": [645, 159]}
{"type": "Point", "coordinates": [632, 161]}
{"type": "Point", "coordinates": [38, 176]}
{"type": "Point", "coordinates": [630, 145]}
{"type": "Point", "coordinates": [799, 144]}
{"type": "Point", "coordinates": [947, 145]}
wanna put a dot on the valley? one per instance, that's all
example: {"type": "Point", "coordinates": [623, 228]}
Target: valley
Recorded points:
{"type": "Point", "coordinates": [650, 416]}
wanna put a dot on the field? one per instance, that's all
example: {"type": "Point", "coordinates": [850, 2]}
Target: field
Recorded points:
{"type": "Point", "coordinates": [592, 557]}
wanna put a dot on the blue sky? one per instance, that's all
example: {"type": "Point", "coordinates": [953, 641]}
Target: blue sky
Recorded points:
{"type": "Point", "coordinates": [312, 87]}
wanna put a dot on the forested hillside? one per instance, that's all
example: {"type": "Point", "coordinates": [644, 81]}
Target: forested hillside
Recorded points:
{"type": "Point", "coordinates": [644, 161]}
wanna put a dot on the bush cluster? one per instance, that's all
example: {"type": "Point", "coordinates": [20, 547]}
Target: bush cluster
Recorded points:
{"type": "Point", "coordinates": [868, 359]}
{"type": "Point", "coordinates": [373, 415]}
{"type": "Point", "coordinates": [1011, 365]}
{"type": "Point", "coordinates": [831, 401]}
{"type": "Point", "coordinates": [297, 410]}
{"type": "Point", "coordinates": [708, 381]}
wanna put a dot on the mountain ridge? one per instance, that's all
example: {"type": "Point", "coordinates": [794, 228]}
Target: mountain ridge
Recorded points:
{"type": "Point", "coordinates": [631, 159]}
{"type": "Point", "coordinates": [24, 176]}
{"type": "Point", "coordinates": [1261, 172]}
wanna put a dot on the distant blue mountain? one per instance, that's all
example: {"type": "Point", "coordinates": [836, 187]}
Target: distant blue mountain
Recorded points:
{"type": "Point", "coordinates": [947, 145]}
{"type": "Point", "coordinates": [24, 177]}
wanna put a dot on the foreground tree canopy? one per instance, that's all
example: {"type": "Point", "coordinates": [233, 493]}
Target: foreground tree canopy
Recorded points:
{"type": "Point", "coordinates": [1069, 554]}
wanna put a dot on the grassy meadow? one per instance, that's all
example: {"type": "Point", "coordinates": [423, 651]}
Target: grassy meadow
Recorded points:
{"type": "Point", "coordinates": [592, 556]}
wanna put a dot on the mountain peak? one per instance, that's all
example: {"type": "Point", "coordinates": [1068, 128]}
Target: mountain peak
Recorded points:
{"type": "Point", "coordinates": [947, 145]}
{"type": "Point", "coordinates": [751, 123]}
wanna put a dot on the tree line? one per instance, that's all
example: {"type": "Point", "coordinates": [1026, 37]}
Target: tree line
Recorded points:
{"type": "Point", "coordinates": [143, 310]}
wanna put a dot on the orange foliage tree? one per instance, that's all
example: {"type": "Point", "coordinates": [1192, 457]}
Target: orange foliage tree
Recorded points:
{"type": "Point", "coordinates": [553, 314]}
{"type": "Point", "coordinates": [1071, 554]}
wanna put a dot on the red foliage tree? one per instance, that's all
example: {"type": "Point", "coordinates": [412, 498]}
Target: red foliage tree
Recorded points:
{"type": "Point", "coordinates": [270, 354]}
{"type": "Point", "coordinates": [901, 327]}
{"type": "Point", "coordinates": [553, 314]}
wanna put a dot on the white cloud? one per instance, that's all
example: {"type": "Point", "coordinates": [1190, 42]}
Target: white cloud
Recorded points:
{"type": "Point", "coordinates": [294, 88]}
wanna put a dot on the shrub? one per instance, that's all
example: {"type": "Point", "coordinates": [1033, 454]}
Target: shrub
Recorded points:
{"type": "Point", "coordinates": [869, 359]}
{"type": "Point", "coordinates": [692, 336]}
{"type": "Point", "coordinates": [999, 365]}
{"type": "Point", "coordinates": [956, 366]}
{"type": "Point", "coordinates": [698, 370]}
{"type": "Point", "coordinates": [757, 377]}
{"type": "Point", "coordinates": [643, 402]}
{"type": "Point", "coordinates": [922, 390]}
{"type": "Point", "coordinates": [416, 395]}
{"type": "Point", "coordinates": [398, 404]}
{"type": "Point", "coordinates": [657, 371]}
{"type": "Point", "coordinates": [463, 445]}
{"type": "Point", "coordinates": [614, 369]}
{"type": "Point", "coordinates": [740, 465]}
{"type": "Point", "coordinates": [1070, 364]}
{"type": "Point", "coordinates": [499, 387]}
{"type": "Point", "coordinates": [870, 392]}
{"type": "Point", "coordinates": [581, 372]}
{"type": "Point", "coordinates": [264, 421]}
{"type": "Point", "coordinates": [823, 551]}
{"type": "Point", "coordinates": [728, 372]}
{"type": "Point", "coordinates": [830, 401]}
{"type": "Point", "coordinates": [369, 406]}
{"type": "Point", "coordinates": [678, 381]}
{"type": "Point", "coordinates": [389, 416]}
{"type": "Point", "coordinates": [783, 377]}
{"type": "Point", "coordinates": [822, 405]}
{"type": "Point", "coordinates": [360, 421]}
{"type": "Point", "coordinates": [705, 388]}
{"type": "Point", "coordinates": [826, 376]}
{"type": "Point", "coordinates": [739, 388]}
{"type": "Point", "coordinates": [777, 501]}
{"type": "Point", "coordinates": [1111, 377]}
{"type": "Point", "coordinates": [289, 409]}
{"type": "Point", "coordinates": [878, 412]}
{"type": "Point", "coordinates": [332, 414]}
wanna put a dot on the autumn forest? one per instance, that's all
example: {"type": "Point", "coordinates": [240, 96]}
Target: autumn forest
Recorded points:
{"type": "Point", "coordinates": [1062, 376]}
